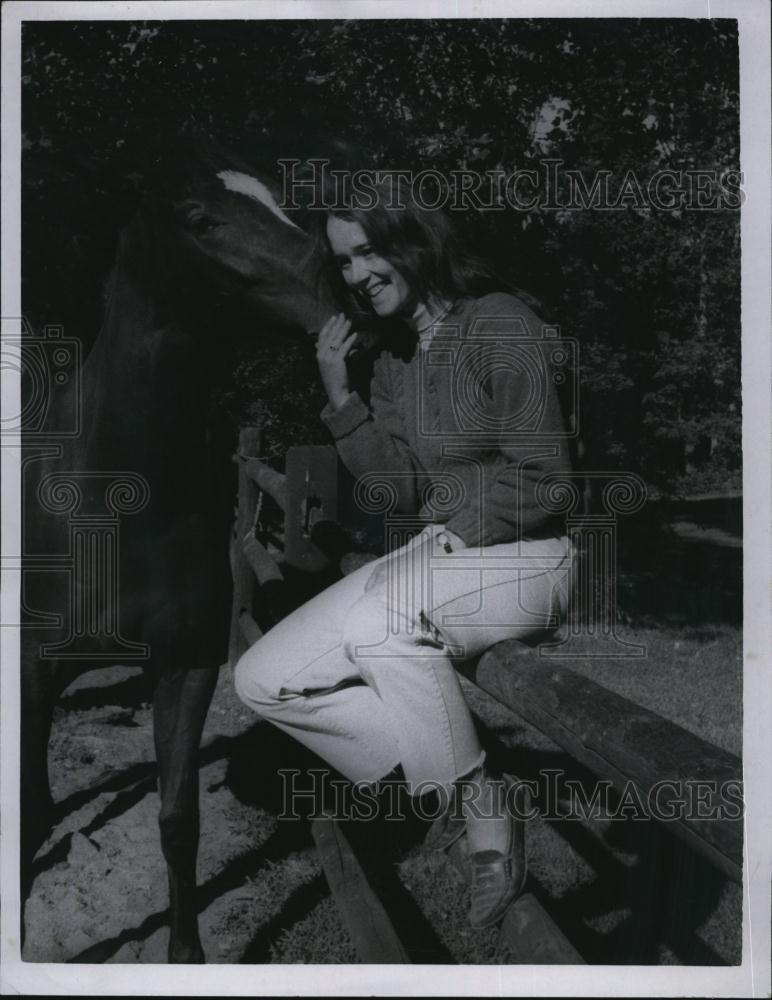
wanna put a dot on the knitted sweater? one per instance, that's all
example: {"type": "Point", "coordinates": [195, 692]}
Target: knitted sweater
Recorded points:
{"type": "Point", "coordinates": [464, 427]}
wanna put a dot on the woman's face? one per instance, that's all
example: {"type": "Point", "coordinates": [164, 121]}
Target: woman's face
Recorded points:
{"type": "Point", "coordinates": [363, 270]}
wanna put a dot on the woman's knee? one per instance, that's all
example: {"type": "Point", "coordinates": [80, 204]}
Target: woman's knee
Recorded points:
{"type": "Point", "coordinates": [373, 628]}
{"type": "Point", "coordinates": [251, 680]}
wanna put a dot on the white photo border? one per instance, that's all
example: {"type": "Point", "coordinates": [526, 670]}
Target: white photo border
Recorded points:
{"type": "Point", "coordinates": [752, 977]}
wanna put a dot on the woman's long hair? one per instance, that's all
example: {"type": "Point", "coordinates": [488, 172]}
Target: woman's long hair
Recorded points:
{"type": "Point", "coordinates": [422, 244]}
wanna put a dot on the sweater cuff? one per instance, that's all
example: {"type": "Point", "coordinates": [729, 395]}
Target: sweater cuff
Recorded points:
{"type": "Point", "coordinates": [347, 418]}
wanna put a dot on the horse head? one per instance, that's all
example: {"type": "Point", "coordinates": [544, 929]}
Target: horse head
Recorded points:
{"type": "Point", "coordinates": [210, 216]}
{"type": "Point", "coordinates": [209, 249]}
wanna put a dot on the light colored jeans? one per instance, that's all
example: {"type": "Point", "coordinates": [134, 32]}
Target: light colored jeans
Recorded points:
{"type": "Point", "coordinates": [365, 677]}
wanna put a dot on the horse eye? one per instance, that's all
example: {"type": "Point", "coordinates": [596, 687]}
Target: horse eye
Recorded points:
{"type": "Point", "coordinates": [202, 224]}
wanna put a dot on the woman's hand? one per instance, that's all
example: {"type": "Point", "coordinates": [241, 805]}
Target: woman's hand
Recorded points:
{"type": "Point", "coordinates": [335, 341]}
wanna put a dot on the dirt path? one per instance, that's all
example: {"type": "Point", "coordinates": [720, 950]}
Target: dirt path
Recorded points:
{"type": "Point", "coordinates": [104, 897]}
{"type": "Point", "coordinates": [100, 895]}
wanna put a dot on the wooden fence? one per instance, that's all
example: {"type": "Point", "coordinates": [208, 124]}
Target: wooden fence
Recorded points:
{"type": "Point", "coordinates": [616, 739]}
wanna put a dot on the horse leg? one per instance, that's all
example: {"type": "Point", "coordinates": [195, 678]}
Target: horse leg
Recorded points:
{"type": "Point", "coordinates": [180, 704]}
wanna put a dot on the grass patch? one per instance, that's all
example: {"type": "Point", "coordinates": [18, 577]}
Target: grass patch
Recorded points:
{"type": "Point", "coordinates": [690, 676]}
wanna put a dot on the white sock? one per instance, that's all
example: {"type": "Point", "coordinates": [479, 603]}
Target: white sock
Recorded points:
{"type": "Point", "coordinates": [487, 822]}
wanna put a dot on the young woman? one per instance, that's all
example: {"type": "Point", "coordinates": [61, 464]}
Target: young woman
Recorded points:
{"type": "Point", "coordinates": [462, 421]}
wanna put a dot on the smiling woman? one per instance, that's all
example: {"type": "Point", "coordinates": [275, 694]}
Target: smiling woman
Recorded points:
{"type": "Point", "coordinates": [373, 277]}
{"type": "Point", "coordinates": [363, 242]}
{"type": "Point", "coordinates": [448, 437]}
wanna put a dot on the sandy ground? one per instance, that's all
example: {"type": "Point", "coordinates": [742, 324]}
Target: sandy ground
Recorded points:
{"type": "Point", "coordinates": [621, 892]}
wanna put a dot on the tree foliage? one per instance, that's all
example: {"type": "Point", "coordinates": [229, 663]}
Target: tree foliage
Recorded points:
{"type": "Point", "coordinates": [651, 295]}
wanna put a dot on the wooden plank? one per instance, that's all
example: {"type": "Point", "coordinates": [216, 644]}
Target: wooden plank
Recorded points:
{"type": "Point", "coordinates": [272, 482]}
{"type": "Point", "coordinates": [244, 583]}
{"type": "Point", "coordinates": [249, 628]}
{"type": "Point", "coordinates": [624, 743]}
{"type": "Point", "coordinates": [264, 566]}
{"type": "Point", "coordinates": [365, 918]}
{"type": "Point", "coordinates": [312, 496]}
{"type": "Point", "coordinates": [533, 937]}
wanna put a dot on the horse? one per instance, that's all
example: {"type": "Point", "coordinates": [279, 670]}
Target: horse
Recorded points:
{"type": "Point", "coordinates": [132, 502]}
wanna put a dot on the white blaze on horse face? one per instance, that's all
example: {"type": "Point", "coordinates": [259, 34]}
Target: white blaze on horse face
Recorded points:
{"type": "Point", "coordinates": [253, 188]}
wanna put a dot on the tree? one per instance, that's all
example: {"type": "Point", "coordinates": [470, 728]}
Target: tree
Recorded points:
{"type": "Point", "coordinates": [652, 295]}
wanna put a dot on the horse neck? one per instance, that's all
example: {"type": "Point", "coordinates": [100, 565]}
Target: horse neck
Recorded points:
{"type": "Point", "coordinates": [143, 384]}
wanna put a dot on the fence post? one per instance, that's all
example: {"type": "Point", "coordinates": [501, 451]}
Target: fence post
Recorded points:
{"type": "Point", "coordinates": [312, 496]}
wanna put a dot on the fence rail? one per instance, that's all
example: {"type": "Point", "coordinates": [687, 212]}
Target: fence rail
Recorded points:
{"type": "Point", "coordinates": [625, 743]}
